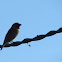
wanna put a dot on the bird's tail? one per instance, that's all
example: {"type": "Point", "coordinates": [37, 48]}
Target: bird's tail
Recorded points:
{"type": "Point", "coordinates": [2, 46]}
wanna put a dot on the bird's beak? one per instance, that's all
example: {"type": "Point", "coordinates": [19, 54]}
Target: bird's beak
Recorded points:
{"type": "Point", "coordinates": [19, 24]}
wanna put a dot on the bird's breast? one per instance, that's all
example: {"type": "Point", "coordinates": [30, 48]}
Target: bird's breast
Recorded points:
{"type": "Point", "coordinates": [15, 33]}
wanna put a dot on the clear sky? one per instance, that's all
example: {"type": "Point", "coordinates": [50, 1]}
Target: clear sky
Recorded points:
{"type": "Point", "coordinates": [37, 17]}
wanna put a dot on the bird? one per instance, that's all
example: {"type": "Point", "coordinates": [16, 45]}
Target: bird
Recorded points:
{"type": "Point", "coordinates": [11, 34]}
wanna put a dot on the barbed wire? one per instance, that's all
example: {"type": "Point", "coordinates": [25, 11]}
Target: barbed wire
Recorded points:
{"type": "Point", "coordinates": [38, 37]}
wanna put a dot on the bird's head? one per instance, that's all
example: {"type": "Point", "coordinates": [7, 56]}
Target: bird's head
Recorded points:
{"type": "Point", "coordinates": [16, 25]}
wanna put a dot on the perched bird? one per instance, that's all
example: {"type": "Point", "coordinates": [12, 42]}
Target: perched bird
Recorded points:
{"type": "Point", "coordinates": [11, 34]}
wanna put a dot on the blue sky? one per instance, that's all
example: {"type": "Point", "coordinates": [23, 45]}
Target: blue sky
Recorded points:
{"type": "Point", "coordinates": [37, 17]}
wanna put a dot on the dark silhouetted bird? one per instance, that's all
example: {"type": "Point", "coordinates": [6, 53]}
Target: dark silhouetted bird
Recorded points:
{"type": "Point", "coordinates": [11, 34]}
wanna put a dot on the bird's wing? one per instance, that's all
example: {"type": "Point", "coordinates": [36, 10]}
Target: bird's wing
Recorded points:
{"type": "Point", "coordinates": [12, 33]}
